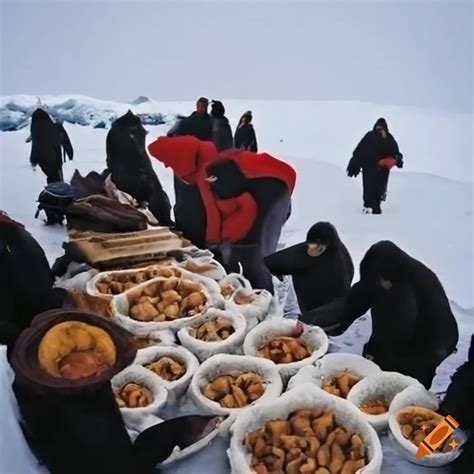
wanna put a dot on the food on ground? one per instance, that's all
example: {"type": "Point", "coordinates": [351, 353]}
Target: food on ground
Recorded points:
{"type": "Point", "coordinates": [75, 350]}
{"type": "Point", "coordinates": [216, 330]}
{"type": "Point", "coordinates": [116, 283]}
{"type": "Point", "coordinates": [284, 350]}
{"type": "Point", "coordinates": [167, 368]}
{"type": "Point", "coordinates": [235, 391]}
{"type": "Point", "coordinates": [308, 442]}
{"type": "Point", "coordinates": [418, 422]}
{"type": "Point", "coordinates": [133, 395]}
{"type": "Point", "coordinates": [340, 383]}
{"type": "Point", "coordinates": [167, 300]}
{"type": "Point", "coordinates": [374, 407]}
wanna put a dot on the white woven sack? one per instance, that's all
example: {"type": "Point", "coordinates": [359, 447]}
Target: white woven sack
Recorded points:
{"type": "Point", "coordinates": [314, 337]}
{"type": "Point", "coordinates": [303, 397]}
{"type": "Point", "coordinates": [203, 349]}
{"type": "Point", "coordinates": [225, 364]}
{"type": "Point", "coordinates": [175, 388]}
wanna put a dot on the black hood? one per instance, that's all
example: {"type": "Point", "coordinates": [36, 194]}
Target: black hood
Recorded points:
{"type": "Point", "coordinates": [381, 122]}
{"type": "Point", "coordinates": [231, 181]}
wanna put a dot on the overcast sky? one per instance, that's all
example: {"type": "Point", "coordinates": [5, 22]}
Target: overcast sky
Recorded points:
{"type": "Point", "coordinates": [417, 52]}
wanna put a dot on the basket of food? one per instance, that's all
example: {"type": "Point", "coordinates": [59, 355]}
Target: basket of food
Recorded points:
{"type": "Point", "coordinates": [336, 373]}
{"type": "Point", "coordinates": [174, 365]}
{"type": "Point", "coordinates": [373, 396]}
{"type": "Point", "coordinates": [304, 431]}
{"type": "Point", "coordinates": [165, 303]}
{"type": "Point", "coordinates": [225, 384]}
{"type": "Point", "coordinates": [215, 332]}
{"type": "Point", "coordinates": [289, 344]}
{"type": "Point", "coordinates": [140, 395]}
{"type": "Point", "coordinates": [413, 416]}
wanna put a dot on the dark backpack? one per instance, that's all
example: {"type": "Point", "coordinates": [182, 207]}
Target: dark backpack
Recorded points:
{"type": "Point", "coordinates": [54, 200]}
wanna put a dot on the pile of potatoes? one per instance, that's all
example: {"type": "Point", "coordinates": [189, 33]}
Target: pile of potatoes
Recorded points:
{"type": "Point", "coordinates": [374, 407]}
{"type": "Point", "coordinates": [416, 423]}
{"type": "Point", "coordinates": [133, 395]}
{"type": "Point", "coordinates": [308, 442]}
{"type": "Point", "coordinates": [235, 391]}
{"type": "Point", "coordinates": [167, 300]}
{"type": "Point", "coordinates": [213, 331]}
{"type": "Point", "coordinates": [339, 384]}
{"type": "Point", "coordinates": [284, 349]}
{"type": "Point", "coordinates": [167, 368]}
{"type": "Point", "coordinates": [116, 283]}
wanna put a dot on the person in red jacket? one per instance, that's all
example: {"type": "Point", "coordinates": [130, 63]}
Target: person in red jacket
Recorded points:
{"type": "Point", "coordinates": [252, 195]}
{"type": "Point", "coordinates": [186, 157]}
{"type": "Point", "coordinates": [235, 202]}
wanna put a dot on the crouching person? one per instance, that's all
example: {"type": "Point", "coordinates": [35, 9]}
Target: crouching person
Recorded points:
{"type": "Point", "coordinates": [248, 204]}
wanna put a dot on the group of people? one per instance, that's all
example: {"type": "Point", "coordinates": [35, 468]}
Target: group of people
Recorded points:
{"type": "Point", "coordinates": [216, 128]}
{"type": "Point", "coordinates": [235, 201]}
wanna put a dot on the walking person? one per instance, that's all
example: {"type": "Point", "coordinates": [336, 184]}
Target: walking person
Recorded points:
{"type": "Point", "coordinates": [376, 154]}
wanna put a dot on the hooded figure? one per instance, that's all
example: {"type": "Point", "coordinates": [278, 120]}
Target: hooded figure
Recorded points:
{"type": "Point", "coordinates": [321, 267]}
{"type": "Point", "coordinates": [221, 131]}
{"type": "Point", "coordinates": [249, 204]}
{"type": "Point", "coordinates": [47, 142]}
{"type": "Point", "coordinates": [186, 157]}
{"type": "Point", "coordinates": [131, 168]}
{"type": "Point", "coordinates": [26, 280]}
{"type": "Point", "coordinates": [245, 138]}
{"type": "Point", "coordinates": [413, 327]}
{"type": "Point", "coordinates": [63, 365]}
{"type": "Point", "coordinates": [376, 154]}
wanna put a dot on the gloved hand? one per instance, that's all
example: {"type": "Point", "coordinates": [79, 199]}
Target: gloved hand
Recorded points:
{"type": "Point", "coordinates": [352, 169]}
{"type": "Point", "coordinates": [399, 159]}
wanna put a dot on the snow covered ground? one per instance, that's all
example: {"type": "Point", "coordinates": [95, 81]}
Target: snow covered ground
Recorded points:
{"type": "Point", "coordinates": [428, 212]}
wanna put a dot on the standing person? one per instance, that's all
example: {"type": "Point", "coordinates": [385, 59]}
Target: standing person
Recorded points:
{"type": "Point", "coordinates": [376, 154]}
{"type": "Point", "coordinates": [245, 138]}
{"type": "Point", "coordinates": [198, 124]}
{"type": "Point", "coordinates": [48, 139]}
{"type": "Point", "coordinates": [221, 131]}
{"type": "Point", "coordinates": [131, 168]}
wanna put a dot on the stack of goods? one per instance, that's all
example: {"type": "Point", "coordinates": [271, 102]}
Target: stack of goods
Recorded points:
{"type": "Point", "coordinates": [122, 250]}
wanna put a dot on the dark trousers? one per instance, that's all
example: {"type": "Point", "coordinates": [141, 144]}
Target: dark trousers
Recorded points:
{"type": "Point", "coordinates": [374, 181]}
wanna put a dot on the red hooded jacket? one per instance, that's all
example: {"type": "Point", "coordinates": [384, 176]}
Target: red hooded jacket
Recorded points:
{"type": "Point", "coordinates": [227, 219]}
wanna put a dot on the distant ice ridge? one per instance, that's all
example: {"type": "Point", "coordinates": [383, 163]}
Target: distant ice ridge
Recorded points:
{"type": "Point", "coordinates": [15, 111]}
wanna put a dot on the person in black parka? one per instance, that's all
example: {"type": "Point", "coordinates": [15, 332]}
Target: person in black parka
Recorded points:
{"type": "Point", "coordinates": [245, 138]}
{"type": "Point", "coordinates": [458, 403]}
{"type": "Point", "coordinates": [321, 267]}
{"type": "Point", "coordinates": [26, 280]}
{"type": "Point", "coordinates": [413, 327]}
{"type": "Point", "coordinates": [131, 167]}
{"type": "Point", "coordinates": [47, 142]}
{"type": "Point", "coordinates": [376, 154]}
{"type": "Point", "coordinates": [221, 131]}
{"type": "Point", "coordinates": [198, 124]}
